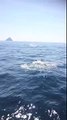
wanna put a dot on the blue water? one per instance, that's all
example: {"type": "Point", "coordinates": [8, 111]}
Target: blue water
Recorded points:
{"type": "Point", "coordinates": [32, 81]}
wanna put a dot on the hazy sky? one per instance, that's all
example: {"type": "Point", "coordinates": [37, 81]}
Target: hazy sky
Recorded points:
{"type": "Point", "coordinates": [33, 20]}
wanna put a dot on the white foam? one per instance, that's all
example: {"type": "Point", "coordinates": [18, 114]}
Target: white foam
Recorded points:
{"type": "Point", "coordinates": [2, 118]}
{"type": "Point", "coordinates": [31, 104]}
{"type": "Point", "coordinates": [16, 112]}
{"type": "Point", "coordinates": [36, 118]}
{"type": "Point", "coordinates": [54, 114]}
{"type": "Point", "coordinates": [18, 115]}
{"type": "Point", "coordinates": [24, 116]}
{"type": "Point", "coordinates": [39, 65]}
{"type": "Point", "coordinates": [33, 107]}
{"type": "Point", "coordinates": [8, 118]}
{"type": "Point", "coordinates": [21, 108]}
{"type": "Point", "coordinates": [27, 105]}
{"type": "Point", "coordinates": [24, 113]}
{"type": "Point", "coordinates": [24, 66]}
{"type": "Point", "coordinates": [29, 116]}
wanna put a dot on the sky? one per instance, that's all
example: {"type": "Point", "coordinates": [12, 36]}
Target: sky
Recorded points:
{"type": "Point", "coordinates": [33, 20]}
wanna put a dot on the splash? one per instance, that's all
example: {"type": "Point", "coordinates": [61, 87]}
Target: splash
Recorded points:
{"type": "Point", "coordinates": [29, 112]}
{"type": "Point", "coordinates": [23, 113]}
{"type": "Point", "coordinates": [53, 114]}
{"type": "Point", "coordinates": [38, 65]}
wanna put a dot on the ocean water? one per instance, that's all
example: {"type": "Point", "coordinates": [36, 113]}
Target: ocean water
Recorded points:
{"type": "Point", "coordinates": [32, 81]}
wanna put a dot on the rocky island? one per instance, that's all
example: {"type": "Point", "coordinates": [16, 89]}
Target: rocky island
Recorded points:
{"type": "Point", "coordinates": [9, 39]}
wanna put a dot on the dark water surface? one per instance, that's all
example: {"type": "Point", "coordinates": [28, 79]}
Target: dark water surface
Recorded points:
{"type": "Point", "coordinates": [32, 81]}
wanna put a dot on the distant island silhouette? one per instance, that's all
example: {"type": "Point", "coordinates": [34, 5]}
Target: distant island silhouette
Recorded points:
{"type": "Point", "coordinates": [9, 39]}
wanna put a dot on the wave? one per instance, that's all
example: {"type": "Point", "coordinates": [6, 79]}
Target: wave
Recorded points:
{"type": "Point", "coordinates": [32, 45]}
{"type": "Point", "coordinates": [39, 65]}
{"type": "Point", "coordinates": [29, 112]}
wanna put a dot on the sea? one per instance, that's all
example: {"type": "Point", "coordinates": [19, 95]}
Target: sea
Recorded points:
{"type": "Point", "coordinates": [32, 81]}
